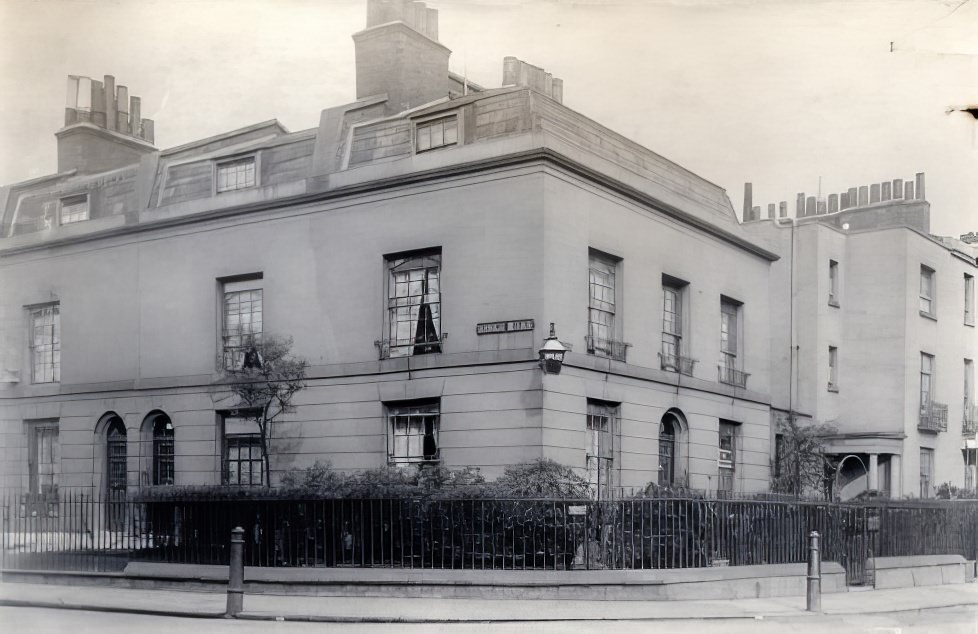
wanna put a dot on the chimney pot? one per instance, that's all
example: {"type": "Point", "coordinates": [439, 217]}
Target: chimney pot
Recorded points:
{"type": "Point", "coordinates": [111, 119]}
{"type": "Point", "coordinates": [833, 203]}
{"type": "Point", "coordinates": [920, 186]}
{"type": "Point", "coordinates": [134, 116]}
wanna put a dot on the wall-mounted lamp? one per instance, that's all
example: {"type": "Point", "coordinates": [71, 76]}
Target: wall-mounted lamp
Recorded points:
{"type": "Point", "coordinates": [552, 353]}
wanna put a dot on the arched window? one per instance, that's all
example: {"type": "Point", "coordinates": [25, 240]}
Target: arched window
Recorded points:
{"type": "Point", "coordinates": [667, 450]}
{"type": "Point", "coordinates": [163, 469]}
{"type": "Point", "coordinates": [115, 445]}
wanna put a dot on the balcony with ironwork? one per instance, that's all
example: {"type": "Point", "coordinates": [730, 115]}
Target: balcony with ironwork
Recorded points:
{"type": "Point", "coordinates": [933, 417]}
{"type": "Point", "coordinates": [676, 363]}
{"type": "Point", "coordinates": [969, 423]}
{"type": "Point", "coordinates": [610, 348]}
{"type": "Point", "coordinates": [730, 376]}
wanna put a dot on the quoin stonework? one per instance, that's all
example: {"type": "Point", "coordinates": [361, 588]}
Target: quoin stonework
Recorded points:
{"type": "Point", "coordinates": [391, 241]}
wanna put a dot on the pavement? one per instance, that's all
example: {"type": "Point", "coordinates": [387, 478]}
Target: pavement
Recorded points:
{"type": "Point", "coordinates": [276, 607]}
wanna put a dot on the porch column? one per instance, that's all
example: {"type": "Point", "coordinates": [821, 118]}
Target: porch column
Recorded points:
{"type": "Point", "coordinates": [874, 472]}
{"type": "Point", "coordinates": [896, 476]}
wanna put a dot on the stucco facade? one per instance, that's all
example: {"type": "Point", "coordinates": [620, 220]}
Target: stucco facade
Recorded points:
{"type": "Point", "coordinates": [514, 211]}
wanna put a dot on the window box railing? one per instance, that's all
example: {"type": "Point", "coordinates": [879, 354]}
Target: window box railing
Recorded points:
{"type": "Point", "coordinates": [969, 423]}
{"type": "Point", "coordinates": [933, 417]}
{"type": "Point", "coordinates": [730, 376]}
{"type": "Point", "coordinates": [607, 347]}
{"type": "Point", "coordinates": [677, 363]}
{"type": "Point", "coordinates": [388, 348]}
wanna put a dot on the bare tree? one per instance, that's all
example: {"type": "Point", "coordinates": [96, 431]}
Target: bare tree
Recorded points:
{"type": "Point", "coordinates": [801, 465]}
{"type": "Point", "coordinates": [264, 385]}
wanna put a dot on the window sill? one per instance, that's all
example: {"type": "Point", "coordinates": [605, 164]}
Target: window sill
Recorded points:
{"type": "Point", "coordinates": [834, 303]}
{"type": "Point", "coordinates": [970, 324]}
{"type": "Point", "coordinates": [834, 389]}
{"type": "Point", "coordinates": [930, 316]}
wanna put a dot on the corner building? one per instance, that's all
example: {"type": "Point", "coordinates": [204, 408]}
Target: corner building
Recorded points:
{"type": "Point", "coordinates": [416, 246]}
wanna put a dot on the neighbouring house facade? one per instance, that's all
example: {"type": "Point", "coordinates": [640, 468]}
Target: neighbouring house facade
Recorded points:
{"type": "Point", "coordinates": [416, 246]}
{"type": "Point", "coordinates": [878, 338]}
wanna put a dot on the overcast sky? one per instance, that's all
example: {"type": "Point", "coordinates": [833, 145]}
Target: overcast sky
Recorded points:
{"type": "Point", "coordinates": [777, 92]}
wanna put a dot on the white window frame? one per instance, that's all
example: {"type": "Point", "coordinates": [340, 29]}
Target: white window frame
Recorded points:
{"type": "Point", "coordinates": [602, 431]}
{"type": "Point", "coordinates": [969, 300]}
{"type": "Point", "coordinates": [67, 203]}
{"type": "Point", "coordinates": [928, 295]}
{"type": "Point", "coordinates": [408, 431]}
{"type": "Point", "coordinates": [226, 163]}
{"type": "Point", "coordinates": [237, 440]}
{"type": "Point", "coordinates": [834, 283]}
{"type": "Point", "coordinates": [673, 340]}
{"type": "Point", "coordinates": [604, 323]}
{"type": "Point", "coordinates": [926, 472]}
{"type": "Point", "coordinates": [927, 362]}
{"type": "Point", "coordinates": [35, 430]}
{"type": "Point", "coordinates": [44, 345]}
{"type": "Point", "coordinates": [413, 280]}
{"type": "Point", "coordinates": [234, 342]}
{"type": "Point", "coordinates": [727, 457]}
{"type": "Point", "coordinates": [833, 369]}
{"type": "Point", "coordinates": [730, 355]}
{"type": "Point", "coordinates": [426, 127]}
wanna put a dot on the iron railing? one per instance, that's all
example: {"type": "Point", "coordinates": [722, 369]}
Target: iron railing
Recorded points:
{"type": "Point", "coordinates": [611, 348]}
{"type": "Point", "coordinates": [933, 417]}
{"type": "Point", "coordinates": [81, 531]}
{"type": "Point", "coordinates": [730, 376]}
{"type": "Point", "coordinates": [969, 422]}
{"type": "Point", "coordinates": [677, 363]}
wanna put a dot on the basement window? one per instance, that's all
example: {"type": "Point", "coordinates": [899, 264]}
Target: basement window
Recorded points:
{"type": "Point", "coordinates": [74, 209]}
{"type": "Point", "coordinates": [236, 174]}
{"type": "Point", "coordinates": [436, 133]}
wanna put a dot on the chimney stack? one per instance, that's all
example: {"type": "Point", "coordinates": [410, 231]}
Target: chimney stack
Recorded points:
{"type": "Point", "coordinates": [100, 134]}
{"type": "Point", "coordinates": [399, 55]}
{"type": "Point", "coordinates": [516, 72]}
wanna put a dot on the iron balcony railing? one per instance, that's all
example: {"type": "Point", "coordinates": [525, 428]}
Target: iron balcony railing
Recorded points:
{"type": "Point", "coordinates": [969, 424]}
{"type": "Point", "coordinates": [607, 347]}
{"type": "Point", "coordinates": [733, 377]}
{"type": "Point", "coordinates": [933, 417]}
{"type": "Point", "coordinates": [677, 363]}
{"type": "Point", "coordinates": [388, 348]}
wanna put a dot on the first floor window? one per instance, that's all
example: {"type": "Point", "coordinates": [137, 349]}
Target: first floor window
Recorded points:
{"type": "Point", "coordinates": [833, 368]}
{"type": "Point", "coordinates": [926, 380]}
{"type": "Point", "coordinates": [602, 290]}
{"type": "Point", "coordinates": [969, 299]}
{"type": "Point", "coordinates": [728, 456]}
{"type": "Point", "coordinates": [242, 331]}
{"type": "Point", "coordinates": [601, 423]}
{"type": "Point", "coordinates": [45, 344]}
{"type": "Point", "coordinates": [833, 283]}
{"type": "Point", "coordinates": [926, 472]}
{"type": "Point", "coordinates": [414, 304]}
{"type": "Point", "coordinates": [45, 457]}
{"type": "Point", "coordinates": [672, 326]}
{"type": "Point", "coordinates": [927, 290]}
{"type": "Point", "coordinates": [244, 464]}
{"type": "Point", "coordinates": [413, 432]}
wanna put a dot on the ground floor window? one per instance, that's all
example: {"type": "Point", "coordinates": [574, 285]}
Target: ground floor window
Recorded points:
{"type": "Point", "coordinates": [602, 420]}
{"type": "Point", "coordinates": [926, 472]}
{"type": "Point", "coordinates": [44, 460]}
{"type": "Point", "coordinates": [412, 432]}
{"type": "Point", "coordinates": [727, 459]}
{"type": "Point", "coordinates": [244, 463]}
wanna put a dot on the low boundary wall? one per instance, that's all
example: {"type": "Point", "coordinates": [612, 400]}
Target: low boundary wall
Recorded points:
{"type": "Point", "coordinates": [735, 582]}
{"type": "Point", "coordinates": [919, 570]}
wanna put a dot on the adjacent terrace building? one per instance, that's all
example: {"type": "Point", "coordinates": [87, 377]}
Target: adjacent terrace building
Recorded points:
{"type": "Point", "coordinates": [416, 246]}
{"type": "Point", "coordinates": [878, 339]}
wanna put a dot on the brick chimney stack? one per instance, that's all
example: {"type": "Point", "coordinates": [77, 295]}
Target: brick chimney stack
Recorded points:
{"type": "Point", "coordinates": [399, 55]}
{"type": "Point", "coordinates": [103, 127]}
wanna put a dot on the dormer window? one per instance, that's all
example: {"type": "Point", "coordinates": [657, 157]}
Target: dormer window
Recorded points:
{"type": "Point", "coordinates": [74, 209]}
{"type": "Point", "coordinates": [236, 174]}
{"type": "Point", "coordinates": [436, 133]}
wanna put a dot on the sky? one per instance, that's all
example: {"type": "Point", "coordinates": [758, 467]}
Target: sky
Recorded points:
{"type": "Point", "coordinates": [786, 94]}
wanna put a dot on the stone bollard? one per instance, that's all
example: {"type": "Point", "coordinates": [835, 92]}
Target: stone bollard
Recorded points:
{"type": "Point", "coordinates": [236, 574]}
{"type": "Point", "coordinates": [814, 595]}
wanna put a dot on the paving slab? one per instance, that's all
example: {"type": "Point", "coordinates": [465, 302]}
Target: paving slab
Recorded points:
{"type": "Point", "coordinates": [201, 604]}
